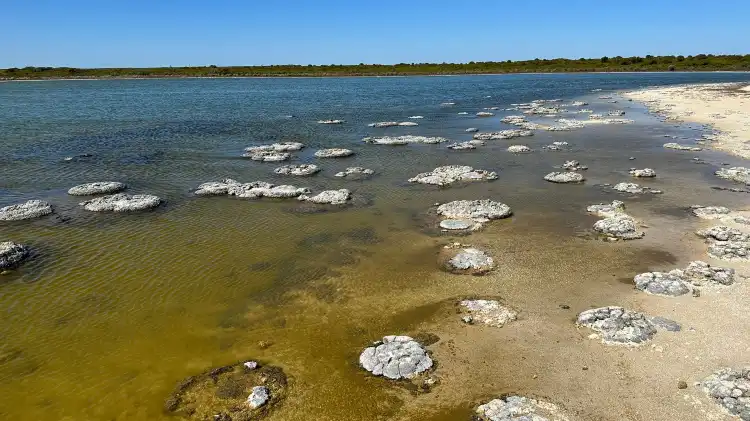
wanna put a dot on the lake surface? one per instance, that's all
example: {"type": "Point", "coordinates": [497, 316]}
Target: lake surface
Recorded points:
{"type": "Point", "coordinates": [114, 310]}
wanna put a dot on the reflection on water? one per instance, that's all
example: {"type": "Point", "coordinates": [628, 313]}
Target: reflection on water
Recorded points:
{"type": "Point", "coordinates": [114, 310]}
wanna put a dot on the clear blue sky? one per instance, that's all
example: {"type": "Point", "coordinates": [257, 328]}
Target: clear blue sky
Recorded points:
{"type": "Point", "coordinates": [129, 33]}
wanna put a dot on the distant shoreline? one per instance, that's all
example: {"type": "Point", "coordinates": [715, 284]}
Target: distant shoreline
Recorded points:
{"type": "Point", "coordinates": [325, 76]}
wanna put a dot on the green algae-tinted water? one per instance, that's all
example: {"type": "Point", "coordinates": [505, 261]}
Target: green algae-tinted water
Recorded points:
{"type": "Point", "coordinates": [114, 310]}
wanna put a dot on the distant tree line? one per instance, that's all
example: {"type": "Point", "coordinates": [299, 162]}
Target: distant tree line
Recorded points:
{"type": "Point", "coordinates": [700, 62]}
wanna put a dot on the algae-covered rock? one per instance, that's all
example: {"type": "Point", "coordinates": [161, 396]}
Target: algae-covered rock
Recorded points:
{"type": "Point", "coordinates": [231, 393]}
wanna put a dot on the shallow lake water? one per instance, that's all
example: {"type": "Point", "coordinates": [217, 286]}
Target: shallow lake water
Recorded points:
{"type": "Point", "coordinates": [114, 310]}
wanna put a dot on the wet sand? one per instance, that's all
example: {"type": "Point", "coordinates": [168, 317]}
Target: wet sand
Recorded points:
{"type": "Point", "coordinates": [723, 106]}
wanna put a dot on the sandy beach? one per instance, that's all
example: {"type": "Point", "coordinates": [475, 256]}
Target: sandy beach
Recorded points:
{"type": "Point", "coordinates": [722, 106]}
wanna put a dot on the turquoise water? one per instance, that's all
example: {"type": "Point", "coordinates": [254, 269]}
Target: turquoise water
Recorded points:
{"type": "Point", "coordinates": [115, 309]}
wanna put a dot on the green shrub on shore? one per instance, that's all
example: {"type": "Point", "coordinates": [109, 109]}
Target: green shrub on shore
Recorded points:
{"type": "Point", "coordinates": [700, 62]}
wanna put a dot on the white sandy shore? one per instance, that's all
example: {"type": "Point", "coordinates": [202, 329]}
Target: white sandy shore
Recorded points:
{"type": "Point", "coordinates": [724, 106]}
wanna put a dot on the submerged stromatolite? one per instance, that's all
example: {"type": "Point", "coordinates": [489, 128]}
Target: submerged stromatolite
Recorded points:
{"type": "Point", "coordinates": [12, 254]}
{"type": "Point", "coordinates": [328, 197]}
{"type": "Point", "coordinates": [487, 312]}
{"type": "Point", "coordinates": [27, 210]}
{"type": "Point", "coordinates": [99, 187]}
{"type": "Point", "coordinates": [466, 260]}
{"type": "Point", "coordinates": [242, 391]}
{"type": "Point", "coordinates": [333, 153]}
{"type": "Point", "coordinates": [300, 170]}
{"type": "Point", "coordinates": [396, 357]}
{"type": "Point", "coordinates": [276, 147]}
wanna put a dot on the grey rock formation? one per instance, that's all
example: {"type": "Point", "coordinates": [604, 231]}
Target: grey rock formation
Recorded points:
{"type": "Point", "coordinates": [475, 210]}
{"type": "Point", "coordinates": [646, 172]}
{"type": "Point", "coordinates": [383, 124]}
{"type": "Point", "coordinates": [485, 114]}
{"type": "Point", "coordinates": [333, 153]}
{"type": "Point", "coordinates": [27, 210]}
{"type": "Point", "coordinates": [276, 147]}
{"type": "Point", "coordinates": [671, 284]}
{"type": "Point", "coordinates": [607, 210]}
{"type": "Point", "coordinates": [666, 324]}
{"type": "Point", "coordinates": [503, 135]}
{"type": "Point", "coordinates": [460, 146]}
{"type": "Point", "coordinates": [267, 156]}
{"type": "Point", "coordinates": [328, 197]}
{"type": "Point", "coordinates": [737, 174]}
{"type": "Point", "coordinates": [621, 227]}
{"type": "Point", "coordinates": [574, 165]}
{"type": "Point", "coordinates": [519, 408]}
{"type": "Point", "coordinates": [253, 190]}
{"type": "Point", "coordinates": [564, 177]}
{"type": "Point", "coordinates": [331, 121]}
{"type": "Point", "coordinates": [403, 140]}
{"type": "Point", "coordinates": [710, 212]}
{"type": "Point", "coordinates": [628, 188]}
{"type": "Point", "coordinates": [416, 117]}
{"type": "Point", "coordinates": [258, 397]}
{"type": "Point", "coordinates": [730, 250]}
{"type": "Point", "coordinates": [616, 325]}
{"type": "Point", "coordinates": [12, 254]}
{"type": "Point", "coordinates": [519, 149]}
{"type": "Point", "coordinates": [470, 260]}
{"type": "Point", "coordinates": [396, 357]}
{"type": "Point", "coordinates": [121, 202]}
{"type": "Point", "coordinates": [488, 312]}
{"type": "Point", "coordinates": [723, 233]}
{"type": "Point", "coordinates": [471, 130]}
{"type": "Point", "coordinates": [679, 147]}
{"type": "Point", "coordinates": [355, 172]}
{"type": "Point", "coordinates": [301, 170]}
{"type": "Point", "coordinates": [730, 388]}
{"type": "Point", "coordinates": [443, 176]}
{"type": "Point", "coordinates": [100, 187]}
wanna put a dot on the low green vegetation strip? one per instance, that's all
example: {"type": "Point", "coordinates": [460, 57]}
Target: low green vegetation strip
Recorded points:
{"type": "Point", "coordinates": [701, 62]}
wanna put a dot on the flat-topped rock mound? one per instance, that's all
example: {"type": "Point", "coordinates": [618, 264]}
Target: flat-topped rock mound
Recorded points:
{"type": "Point", "coordinates": [99, 187]}
{"type": "Point", "coordinates": [736, 174]}
{"type": "Point", "coordinates": [485, 114]}
{"type": "Point", "coordinates": [276, 147]}
{"type": "Point", "coordinates": [634, 188]}
{"type": "Point", "coordinates": [122, 202]}
{"type": "Point", "coordinates": [27, 210]}
{"type": "Point", "coordinates": [301, 170]}
{"type": "Point", "coordinates": [646, 172]}
{"type": "Point", "coordinates": [333, 153]}
{"type": "Point", "coordinates": [242, 391]}
{"type": "Point", "coordinates": [475, 210]}
{"type": "Point", "coordinates": [682, 281]}
{"type": "Point", "coordinates": [730, 388]}
{"type": "Point", "coordinates": [574, 165]}
{"type": "Point", "coordinates": [555, 146]}
{"type": "Point", "coordinates": [503, 134]}
{"type": "Point", "coordinates": [486, 312]}
{"type": "Point", "coordinates": [619, 227]}
{"type": "Point", "coordinates": [449, 174]}
{"type": "Point", "coordinates": [460, 146]}
{"type": "Point", "coordinates": [466, 260]}
{"type": "Point", "coordinates": [355, 172]}
{"type": "Point", "coordinates": [12, 254]}
{"type": "Point", "coordinates": [723, 233]}
{"type": "Point", "coordinates": [519, 408]}
{"type": "Point", "coordinates": [604, 210]}
{"type": "Point", "coordinates": [679, 147]}
{"type": "Point", "coordinates": [382, 124]}
{"type": "Point", "coordinates": [328, 197]}
{"type": "Point", "coordinates": [565, 177]}
{"type": "Point", "coordinates": [267, 156]}
{"type": "Point", "coordinates": [710, 212]}
{"type": "Point", "coordinates": [519, 149]}
{"type": "Point", "coordinates": [471, 130]}
{"type": "Point", "coordinates": [253, 190]}
{"type": "Point", "coordinates": [331, 121]}
{"type": "Point", "coordinates": [396, 357]}
{"type": "Point", "coordinates": [617, 326]}
{"type": "Point", "coordinates": [403, 140]}
{"type": "Point", "coordinates": [730, 250]}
